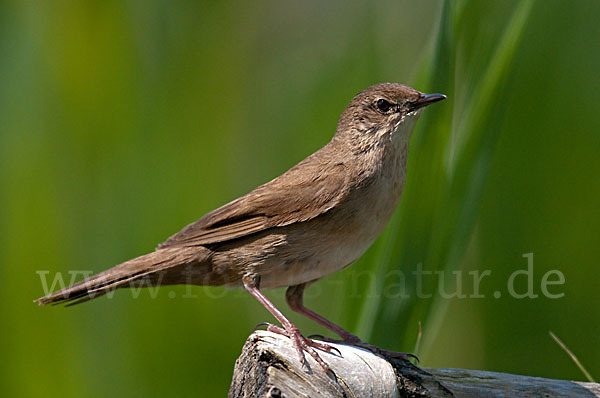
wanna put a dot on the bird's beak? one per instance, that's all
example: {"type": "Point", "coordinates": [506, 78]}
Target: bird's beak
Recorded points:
{"type": "Point", "coordinates": [426, 99]}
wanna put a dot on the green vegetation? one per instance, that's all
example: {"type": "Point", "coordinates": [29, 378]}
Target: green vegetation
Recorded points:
{"type": "Point", "coordinates": [121, 122]}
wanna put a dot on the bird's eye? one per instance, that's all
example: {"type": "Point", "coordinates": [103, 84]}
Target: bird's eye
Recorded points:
{"type": "Point", "coordinates": [382, 105]}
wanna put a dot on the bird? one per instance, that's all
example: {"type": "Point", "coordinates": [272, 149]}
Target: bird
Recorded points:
{"type": "Point", "coordinates": [317, 218]}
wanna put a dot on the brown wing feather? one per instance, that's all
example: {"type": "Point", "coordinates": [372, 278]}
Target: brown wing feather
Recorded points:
{"type": "Point", "coordinates": [307, 190]}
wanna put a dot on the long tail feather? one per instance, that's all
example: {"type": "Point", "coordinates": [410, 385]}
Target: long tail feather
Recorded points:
{"type": "Point", "coordinates": [123, 275]}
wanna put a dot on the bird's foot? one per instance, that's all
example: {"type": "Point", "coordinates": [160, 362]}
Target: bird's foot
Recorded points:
{"type": "Point", "coordinates": [303, 344]}
{"type": "Point", "coordinates": [353, 340]}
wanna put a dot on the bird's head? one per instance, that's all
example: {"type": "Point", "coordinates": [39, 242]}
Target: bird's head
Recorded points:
{"type": "Point", "coordinates": [383, 111]}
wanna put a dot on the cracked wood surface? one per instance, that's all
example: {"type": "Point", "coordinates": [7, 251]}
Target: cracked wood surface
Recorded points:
{"type": "Point", "coordinates": [269, 367]}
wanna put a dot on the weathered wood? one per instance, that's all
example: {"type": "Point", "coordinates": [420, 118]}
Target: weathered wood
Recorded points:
{"type": "Point", "coordinates": [477, 383]}
{"type": "Point", "coordinates": [269, 367]}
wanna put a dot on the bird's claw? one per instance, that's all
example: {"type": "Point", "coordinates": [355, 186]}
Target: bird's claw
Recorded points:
{"type": "Point", "coordinates": [355, 341]}
{"type": "Point", "coordinates": [304, 344]}
{"type": "Point", "coordinates": [260, 325]}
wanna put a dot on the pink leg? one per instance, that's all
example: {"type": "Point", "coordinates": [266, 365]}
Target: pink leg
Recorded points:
{"type": "Point", "coordinates": [293, 296]}
{"type": "Point", "coordinates": [300, 342]}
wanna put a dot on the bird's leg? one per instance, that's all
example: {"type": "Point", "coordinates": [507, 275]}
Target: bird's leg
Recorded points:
{"type": "Point", "coordinates": [301, 343]}
{"type": "Point", "coordinates": [293, 296]}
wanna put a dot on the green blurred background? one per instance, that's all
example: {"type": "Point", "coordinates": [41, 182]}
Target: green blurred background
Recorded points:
{"type": "Point", "coordinates": [122, 121]}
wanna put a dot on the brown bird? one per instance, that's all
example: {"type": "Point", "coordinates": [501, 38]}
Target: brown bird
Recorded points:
{"type": "Point", "coordinates": [317, 218]}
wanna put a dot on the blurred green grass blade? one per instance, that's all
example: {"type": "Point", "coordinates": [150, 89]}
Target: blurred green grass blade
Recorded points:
{"type": "Point", "coordinates": [439, 76]}
{"type": "Point", "coordinates": [472, 162]}
{"type": "Point", "coordinates": [573, 357]}
{"type": "Point", "coordinates": [440, 211]}
{"type": "Point", "coordinates": [435, 69]}
{"type": "Point", "coordinates": [381, 258]}
{"type": "Point", "coordinates": [480, 133]}
{"type": "Point", "coordinates": [483, 101]}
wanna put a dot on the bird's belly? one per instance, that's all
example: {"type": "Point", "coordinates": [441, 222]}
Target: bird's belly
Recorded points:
{"type": "Point", "coordinates": [306, 251]}
{"type": "Point", "coordinates": [310, 267]}
{"type": "Point", "coordinates": [325, 245]}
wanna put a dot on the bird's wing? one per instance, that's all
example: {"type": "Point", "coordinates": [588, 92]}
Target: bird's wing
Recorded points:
{"type": "Point", "coordinates": [304, 192]}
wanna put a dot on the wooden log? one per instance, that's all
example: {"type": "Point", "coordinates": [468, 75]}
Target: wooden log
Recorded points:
{"type": "Point", "coordinates": [269, 367]}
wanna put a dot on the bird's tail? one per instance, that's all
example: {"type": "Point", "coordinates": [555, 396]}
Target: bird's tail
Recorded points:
{"type": "Point", "coordinates": [145, 269]}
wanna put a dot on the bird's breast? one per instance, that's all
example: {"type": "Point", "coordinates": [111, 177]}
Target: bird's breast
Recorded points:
{"type": "Point", "coordinates": [370, 207]}
{"type": "Point", "coordinates": [340, 236]}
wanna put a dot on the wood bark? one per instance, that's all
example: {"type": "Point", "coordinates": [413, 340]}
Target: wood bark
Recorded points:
{"type": "Point", "coordinates": [269, 367]}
